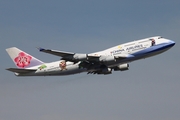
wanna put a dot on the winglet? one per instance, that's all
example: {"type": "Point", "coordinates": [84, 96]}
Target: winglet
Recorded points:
{"type": "Point", "coordinates": [40, 49]}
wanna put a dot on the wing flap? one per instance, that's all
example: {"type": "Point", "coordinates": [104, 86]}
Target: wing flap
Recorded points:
{"type": "Point", "coordinates": [17, 70]}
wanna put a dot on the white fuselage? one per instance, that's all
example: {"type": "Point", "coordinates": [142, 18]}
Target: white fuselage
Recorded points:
{"type": "Point", "coordinates": [130, 51]}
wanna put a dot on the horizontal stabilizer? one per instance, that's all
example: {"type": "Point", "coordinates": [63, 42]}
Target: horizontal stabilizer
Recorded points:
{"type": "Point", "coordinates": [17, 70]}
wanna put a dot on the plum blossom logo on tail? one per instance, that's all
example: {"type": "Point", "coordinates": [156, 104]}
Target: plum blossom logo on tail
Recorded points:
{"type": "Point", "coordinates": [22, 60]}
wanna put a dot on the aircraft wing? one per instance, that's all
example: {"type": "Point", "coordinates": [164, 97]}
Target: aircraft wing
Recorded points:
{"type": "Point", "coordinates": [74, 57]}
{"type": "Point", "coordinates": [55, 52]}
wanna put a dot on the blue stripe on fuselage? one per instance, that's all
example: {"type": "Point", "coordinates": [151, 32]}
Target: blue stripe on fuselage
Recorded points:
{"type": "Point", "coordinates": [154, 49]}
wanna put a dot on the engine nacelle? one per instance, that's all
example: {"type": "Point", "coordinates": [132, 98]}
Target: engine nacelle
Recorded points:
{"type": "Point", "coordinates": [106, 71]}
{"type": "Point", "coordinates": [80, 57]}
{"type": "Point", "coordinates": [107, 59]}
{"type": "Point", "coordinates": [122, 67]}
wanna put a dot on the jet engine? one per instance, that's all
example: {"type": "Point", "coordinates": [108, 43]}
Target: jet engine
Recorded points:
{"type": "Point", "coordinates": [107, 59]}
{"type": "Point", "coordinates": [80, 57]}
{"type": "Point", "coordinates": [106, 71]}
{"type": "Point", "coordinates": [122, 67]}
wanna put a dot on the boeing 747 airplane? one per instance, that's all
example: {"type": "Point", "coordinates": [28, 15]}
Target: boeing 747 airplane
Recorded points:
{"type": "Point", "coordinates": [103, 62]}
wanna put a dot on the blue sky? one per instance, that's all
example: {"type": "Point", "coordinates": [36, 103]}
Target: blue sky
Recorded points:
{"type": "Point", "coordinates": [149, 90]}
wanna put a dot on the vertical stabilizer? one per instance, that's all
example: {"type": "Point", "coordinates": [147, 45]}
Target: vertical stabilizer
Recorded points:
{"type": "Point", "coordinates": [22, 59]}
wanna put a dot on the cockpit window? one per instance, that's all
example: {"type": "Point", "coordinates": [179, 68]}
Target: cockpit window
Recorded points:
{"type": "Point", "coordinates": [160, 37]}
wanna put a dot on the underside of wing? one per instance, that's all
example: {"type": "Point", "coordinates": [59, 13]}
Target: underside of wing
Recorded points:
{"type": "Point", "coordinates": [17, 70]}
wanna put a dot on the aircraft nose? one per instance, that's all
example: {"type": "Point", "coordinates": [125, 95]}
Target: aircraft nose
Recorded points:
{"type": "Point", "coordinates": [172, 43]}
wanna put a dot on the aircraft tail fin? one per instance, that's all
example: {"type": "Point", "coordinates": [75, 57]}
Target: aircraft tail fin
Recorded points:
{"type": "Point", "coordinates": [22, 59]}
